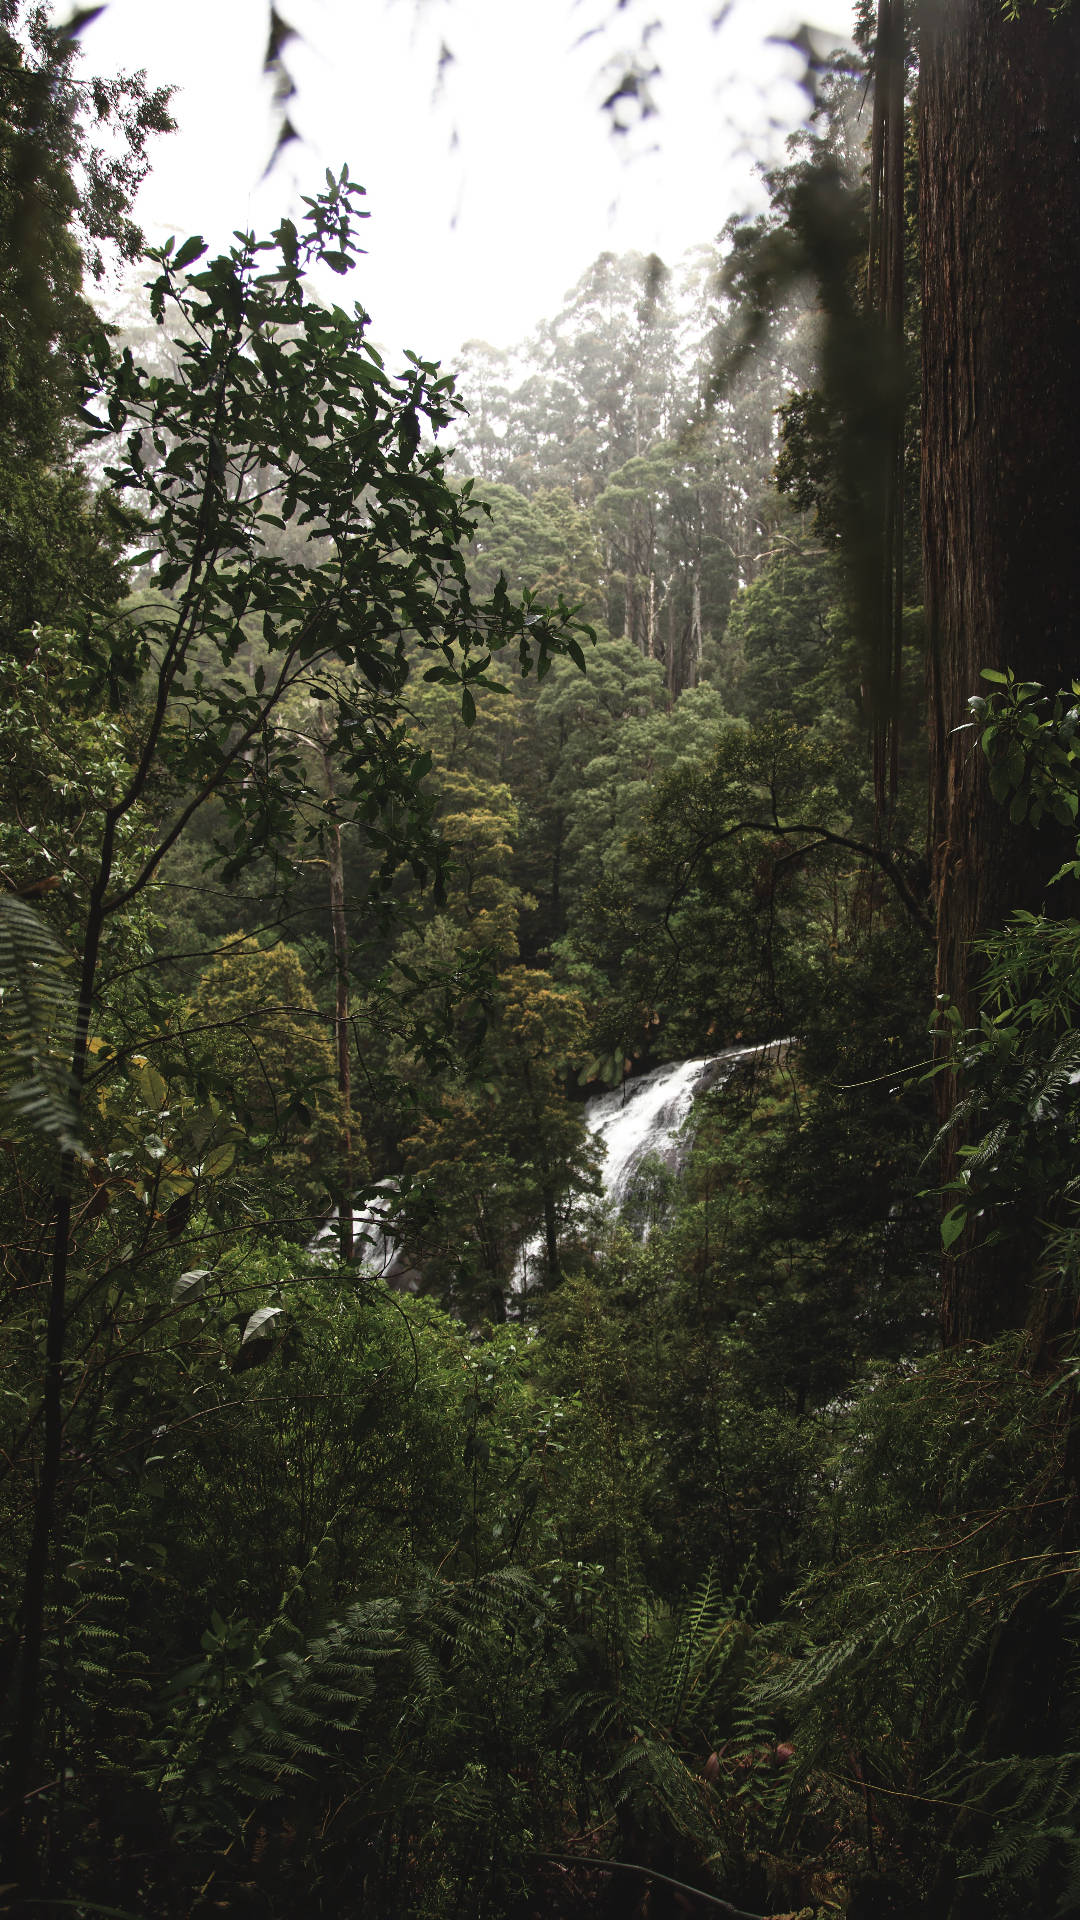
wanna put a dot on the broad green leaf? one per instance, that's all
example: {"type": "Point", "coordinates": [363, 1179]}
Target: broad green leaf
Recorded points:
{"type": "Point", "coordinates": [1015, 763]}
{"type": "Point", "coordinates": [953, 1226]}
{"type": "Point", "coordinates": [218, 1161]}
{"type": "Point", "coordinates": [192, 250]}
{"type": "Point", "coordinates": [150, 1085]}
{"type": "Point", "coordinates": [192, 1285]}
{"type": "Point", "coordinates": [260, 1324]}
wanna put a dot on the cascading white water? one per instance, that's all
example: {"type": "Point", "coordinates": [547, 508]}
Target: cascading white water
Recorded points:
{"type": "Point", "coordinates": [643, 1119]}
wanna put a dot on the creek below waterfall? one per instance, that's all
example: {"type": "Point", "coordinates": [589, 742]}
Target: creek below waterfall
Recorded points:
{"type": "Point", "coordinates": [642, 1120]}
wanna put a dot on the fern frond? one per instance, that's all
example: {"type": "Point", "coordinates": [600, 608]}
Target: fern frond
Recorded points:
{"type": "Point", "coordinates": [37, 1018]}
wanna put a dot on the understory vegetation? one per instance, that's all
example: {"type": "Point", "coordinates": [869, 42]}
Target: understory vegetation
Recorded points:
{"type": "Point", "coordinates": [386, 771]}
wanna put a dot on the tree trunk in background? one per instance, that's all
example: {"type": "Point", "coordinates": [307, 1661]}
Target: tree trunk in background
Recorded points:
{"type": "Point", "coordinates": [696, 630]}
{"type": "Point", "coordinates": [1000, 218]}
{"type": "Point", "coordinates": [340, 934]}
{"type": "Point", "coordinates": [551, 1233]}
{"type": "Point", "coordinates": [341, 1040]}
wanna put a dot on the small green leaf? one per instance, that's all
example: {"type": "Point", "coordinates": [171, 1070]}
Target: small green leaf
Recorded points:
{"type": "Point", "coordinates": [953, 1226]}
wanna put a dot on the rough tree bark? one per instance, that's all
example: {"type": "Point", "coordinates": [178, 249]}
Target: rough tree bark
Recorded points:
{"type": "Point", "coordinates": [1000, 220]}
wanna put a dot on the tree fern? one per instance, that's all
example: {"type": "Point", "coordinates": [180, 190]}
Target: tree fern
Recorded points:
{"type": "Point", "coordinates": [924, 1676]}
{"type": "Point", "coordinates": [652, 1688]}
{"type": "Point", "coordinates": [255, 1724]}
{"type": "Point", "coordinates": [1033, 1800]}
{"type": "Point", "coordinates": [390, 1723]}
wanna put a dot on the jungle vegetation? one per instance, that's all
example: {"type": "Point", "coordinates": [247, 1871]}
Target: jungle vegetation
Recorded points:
{"type": "Point", "coordinates": [389, 761]}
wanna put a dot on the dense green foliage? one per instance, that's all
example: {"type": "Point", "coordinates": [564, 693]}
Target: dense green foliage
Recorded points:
{"type": "Point", "coordinates": [363, 812]}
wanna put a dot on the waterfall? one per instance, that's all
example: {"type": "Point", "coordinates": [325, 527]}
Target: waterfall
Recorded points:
{"type": "Point", "coordinates": [377, 1251]}
{"type": "Point", "coordinates": [643, 1119]}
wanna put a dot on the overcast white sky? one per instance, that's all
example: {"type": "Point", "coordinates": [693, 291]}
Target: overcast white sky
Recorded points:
{"type": "Point", "coordinates": [489, 195]}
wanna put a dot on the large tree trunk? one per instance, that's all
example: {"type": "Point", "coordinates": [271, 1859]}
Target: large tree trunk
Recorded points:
{"type": "Point", "coordinates": [1000, 216]}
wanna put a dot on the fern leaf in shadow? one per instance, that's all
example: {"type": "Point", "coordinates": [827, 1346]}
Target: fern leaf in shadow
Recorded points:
{"type": "Point", "coordinates": [37, 1018]}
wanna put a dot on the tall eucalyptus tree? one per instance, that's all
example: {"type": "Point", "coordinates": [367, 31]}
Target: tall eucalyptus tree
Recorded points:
{"type": "Point", "coordinates": [1000, 239]}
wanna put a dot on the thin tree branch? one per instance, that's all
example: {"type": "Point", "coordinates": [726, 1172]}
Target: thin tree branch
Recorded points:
{"type": "Point", "coordinates": [823, 836]}
{"type": "Point", "coordinates": [650, 1873]}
